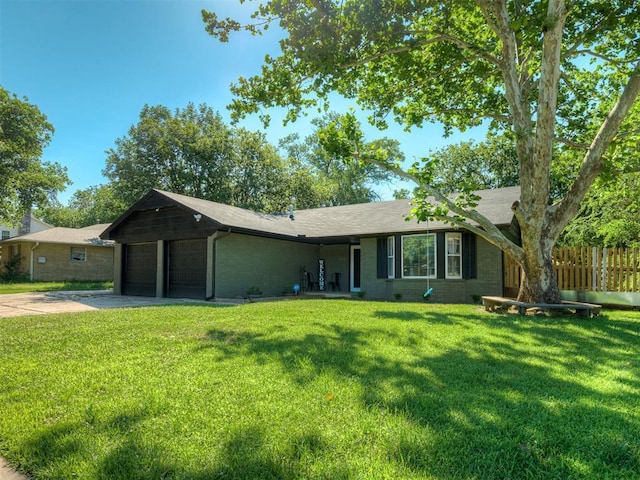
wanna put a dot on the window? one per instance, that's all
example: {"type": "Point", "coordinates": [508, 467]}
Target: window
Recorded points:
{"type": "Point", "coordinates": [5, 234]}
{"type": "Point", "coordinates": [419, 256]}
{"type": "Point", "coordinates": [454, 255]}
{"type": "Point", "coordinates": [78, 254]}
{"type": "Point", "coordinates": [391, 258]}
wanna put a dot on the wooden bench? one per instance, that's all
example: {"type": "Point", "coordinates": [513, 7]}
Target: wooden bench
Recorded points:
{"type": "Point", "coordinates": [495, 304]}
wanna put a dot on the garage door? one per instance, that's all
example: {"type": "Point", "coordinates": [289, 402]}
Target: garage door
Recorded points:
{"type": "Point", "coordinates": [139, 269]}
{"type": "Point", "coordinates": [187, 268]}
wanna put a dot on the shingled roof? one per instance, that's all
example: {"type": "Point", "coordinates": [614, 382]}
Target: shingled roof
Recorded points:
{"type": "Point", "coordinates": [390, 217]}
{"type": "Point", "coordinates": [68, 236]}
{"type": "Point", "coordinates": [365, 219]}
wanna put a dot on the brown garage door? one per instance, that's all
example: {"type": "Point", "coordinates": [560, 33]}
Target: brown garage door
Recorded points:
{"type": "Point", "coordinates": [139, 269]}
{"type": "Point", "coordinates": [187, 268]}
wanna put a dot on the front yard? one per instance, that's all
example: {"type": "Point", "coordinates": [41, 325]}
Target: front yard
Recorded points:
{"type": "Point", "coordinates": [320, 389]}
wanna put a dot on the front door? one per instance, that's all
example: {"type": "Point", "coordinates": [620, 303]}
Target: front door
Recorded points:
{"type": "Point", "coordinates": [354, 275]}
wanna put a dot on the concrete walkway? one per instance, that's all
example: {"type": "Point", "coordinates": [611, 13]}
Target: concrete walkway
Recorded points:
{"type": "Point", "coordinates": [8, 473]}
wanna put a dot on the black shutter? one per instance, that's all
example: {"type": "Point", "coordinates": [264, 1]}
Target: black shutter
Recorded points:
{"type": "Point", "coordinates": [441, 248]}
{"type": "Point", "coordinates": [398, 256]}
{"type": "Point", "coordinates": [382, 269]}
{"type": "Point", "coordinates": [469, 255]}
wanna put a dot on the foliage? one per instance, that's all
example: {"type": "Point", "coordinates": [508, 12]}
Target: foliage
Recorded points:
{"type": "Point", "coordinates": [610, 215]}
{"type": "Point", "coordinates": [402, 194]}
{"type": "Point", "coordinates": [93, 205]}
{"type": "Point", "coordinates": [336, 181]}
{"type": "Point", "coordinates": [25, 180]}
{"type": "Point", "coordinates": [485, 165]}
{"type": "Point", "coordinates": [12, 270]}
{"type": "Point", "coordinates": [559, 78]}
{"type": "Point", "coordinates": [320, 389]}
{"type": "Point", "coordinates": [193, 152]}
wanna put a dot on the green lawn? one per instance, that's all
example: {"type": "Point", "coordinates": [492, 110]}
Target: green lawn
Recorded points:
{"type": "Point", "coordinates": [333, 389]}
{"type": "Point", "coordinates": [26, 287]}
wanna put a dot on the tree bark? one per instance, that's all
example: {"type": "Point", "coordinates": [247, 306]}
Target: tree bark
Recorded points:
{"type": "Point", "coordinates": [539, 284]}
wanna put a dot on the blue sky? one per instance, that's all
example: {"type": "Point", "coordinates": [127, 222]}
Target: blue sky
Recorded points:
{"type": "Point", "coordinates": [91, 65]}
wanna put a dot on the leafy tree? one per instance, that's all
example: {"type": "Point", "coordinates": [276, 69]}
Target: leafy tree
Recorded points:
{"type": "Point", "coordinates": [543, 71]}
{"type": "Point", "coordinates": [193, 152]}
{"type": "Point", "coordinates": [97, 204]}
{"type": "Point", "coordinates": [258, 175]}
{"type": "Point", "coordinates": [188, 152]}
{"type": "Point", "coordinates": [402, 194]}
{"type": "Point", "coordinates": [609, 216]}
{"type": "Point", "coordinates": [485, 165]}
{"type": "Point", "coordinates": [338, 182]}
{"type": "Point", "coordinates": [25, 180]}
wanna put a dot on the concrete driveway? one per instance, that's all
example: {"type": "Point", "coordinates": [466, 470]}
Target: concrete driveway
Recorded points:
{"type": "Point", "coordinates": [19, 304]}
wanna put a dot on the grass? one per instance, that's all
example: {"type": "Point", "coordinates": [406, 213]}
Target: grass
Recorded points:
{"type": "Point", "coordinates": [70, 285]}
{"type": "Point", "coordinates": [320, 389]}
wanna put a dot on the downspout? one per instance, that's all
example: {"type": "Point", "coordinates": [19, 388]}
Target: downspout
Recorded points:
{"type": "Point", "coordinates": [211, 259]}
{"type": "Point", "coordinates": [31, 261]}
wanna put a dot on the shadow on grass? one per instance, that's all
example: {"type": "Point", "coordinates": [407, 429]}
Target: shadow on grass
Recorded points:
{"type": "Point", "coordinates": [489, 407]}
{"type": "Point", "coordinates": [483, 407]}
{"type": "Point", "coordinates": [125, 455]}
{"type": "Point", "coordinates": [399, 315]}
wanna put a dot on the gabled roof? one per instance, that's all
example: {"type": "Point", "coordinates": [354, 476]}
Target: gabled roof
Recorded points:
{"type": "Point", "coordinates": [365, 219]}
{"type": "Point", "coordinates": [68, 236]}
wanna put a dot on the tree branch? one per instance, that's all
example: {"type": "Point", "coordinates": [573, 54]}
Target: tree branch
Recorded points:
{"type": "Point", "coordinates": [570, 143]}
{"type": "Point", "coordinates": [593, 161]}
{"type": "Point", "coordinates": [419, 44]}
{"type": "Point", "coordinates": [613, 61]}
{"type": "Point", "coordinates": [484, 228]}
{"type": "Point", "coordinates": [516, 94]}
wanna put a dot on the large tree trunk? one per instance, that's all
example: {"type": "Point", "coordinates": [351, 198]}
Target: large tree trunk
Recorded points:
{"type": "Point", "coordinates": [538, 283]}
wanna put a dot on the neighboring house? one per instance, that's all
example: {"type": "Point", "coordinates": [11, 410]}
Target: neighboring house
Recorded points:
{"type": "Point", "coordinates": [28, 224]}
{"type": "Point", "coordinates": [60, 253]}
{"type": "Point", "coordinates": [178, 246]}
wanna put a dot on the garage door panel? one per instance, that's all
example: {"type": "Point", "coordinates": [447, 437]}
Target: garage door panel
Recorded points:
{"type": "Point", "coordinates": [140, 269]}
{"type": "Point", "coordinates": [187, 268]}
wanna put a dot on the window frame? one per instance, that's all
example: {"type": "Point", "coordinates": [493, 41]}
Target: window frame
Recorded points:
{"type": "Point", "coordinates": [6, 234]}
{"type": "Point", "coordinates": [448, 255]}
{"type": "Point", "coordinates": [435, 256]}
{"type": "Point", "coordinates": [77, 249]}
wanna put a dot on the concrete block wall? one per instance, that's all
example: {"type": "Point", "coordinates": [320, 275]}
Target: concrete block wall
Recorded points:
{"type": "Point", "coordinates": [58, 265]}
{"type": "Point", "coordinates": [488, 281]}
{"type": "Point", "coordinates": [243, 260]}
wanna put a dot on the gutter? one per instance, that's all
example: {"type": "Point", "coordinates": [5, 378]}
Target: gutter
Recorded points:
{"type": "Point", "coordinates": [37, 244]}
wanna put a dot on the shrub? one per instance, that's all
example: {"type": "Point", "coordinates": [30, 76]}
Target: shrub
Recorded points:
{"type": "Point", "coordinates": [12, 271]}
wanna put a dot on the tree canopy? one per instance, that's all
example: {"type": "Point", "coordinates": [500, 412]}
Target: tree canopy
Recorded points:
{"type": "Point", "coordinates": [193, 152]}
{"type": "Point", "coordinates": [336, 181]}
{"type": "Point", "coordinates": [559, 78]}
{"type": "Point", "coordinates": [25, 180]}
{"type": "Point", "coordinates": [93, 205]}
{"type": "Point", "coordinates": [484, 165]}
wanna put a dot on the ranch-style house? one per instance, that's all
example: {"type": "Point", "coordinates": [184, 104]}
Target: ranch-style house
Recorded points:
{"type": "Point", "coordinates": [171, 245]}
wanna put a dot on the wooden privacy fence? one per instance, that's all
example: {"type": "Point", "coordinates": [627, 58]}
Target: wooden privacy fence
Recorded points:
{"type": "Point", "coordinates": [587, 268]}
